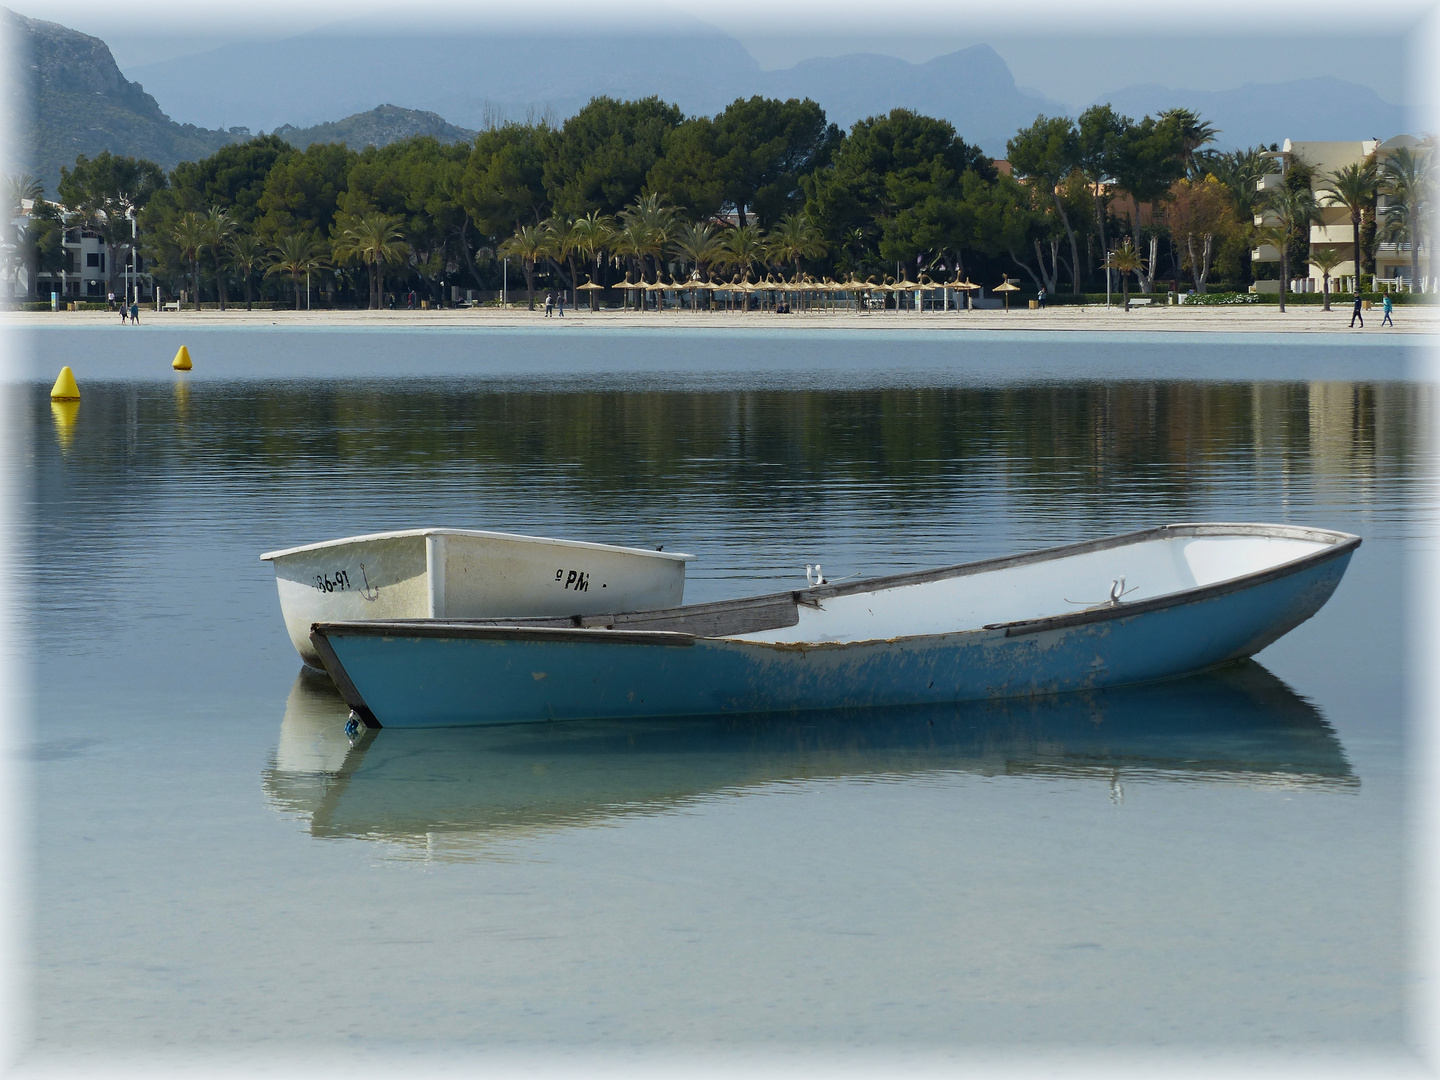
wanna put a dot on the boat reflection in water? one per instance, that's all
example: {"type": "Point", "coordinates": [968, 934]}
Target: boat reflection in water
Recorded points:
{"type": "Point", "coordinates": [453, 792]}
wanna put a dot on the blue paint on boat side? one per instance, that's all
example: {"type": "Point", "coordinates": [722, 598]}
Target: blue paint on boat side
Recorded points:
{"type": "Point", "coordinates": [428, 681]}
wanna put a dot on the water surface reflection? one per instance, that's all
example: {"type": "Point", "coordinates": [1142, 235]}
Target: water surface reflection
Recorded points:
{"type": "Point", "coordinates": [447, 792]}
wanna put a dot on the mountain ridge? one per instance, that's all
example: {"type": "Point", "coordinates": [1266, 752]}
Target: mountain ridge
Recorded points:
{"type": "Point", "coordinates": [72, 98]}
{"type": "Point", "coordinates": [472, 81]}
{"type": "Point", "coordinates": [69, 98]}
{"type": "Point", "coordinates": [1256, 114]}
{"type": "Point", "coordinates": [379, 126]}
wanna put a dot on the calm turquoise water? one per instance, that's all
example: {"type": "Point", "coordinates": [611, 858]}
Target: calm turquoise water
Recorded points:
{"type": "Point", "coordinates": [1216, 862]}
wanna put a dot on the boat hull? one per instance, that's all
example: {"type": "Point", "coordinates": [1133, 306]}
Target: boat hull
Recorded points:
{"type": "Point", "coordinates": [439, 674]}
{"type": "Point", "coordinates": [463, 574]}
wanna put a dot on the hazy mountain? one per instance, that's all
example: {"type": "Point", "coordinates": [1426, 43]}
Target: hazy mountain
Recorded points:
{"type": "Point", "coordinates": [1321, 109]}
{"type": "Point", "coordinates": [972, 88]}
{"type": "Point", "coordinates": [466, 79]}
{"type": "Point", "coordinates": [378, 127]}
{"type": "Point", "coordinates": [69, 98]}
{"type": "Point", "coordinates": [472, 81]}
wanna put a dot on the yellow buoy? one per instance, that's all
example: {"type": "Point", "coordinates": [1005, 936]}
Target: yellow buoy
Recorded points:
{"type": "Point", "coordinates": [182, 360]}
{"type": "Point", "coordinates": [65, 388]}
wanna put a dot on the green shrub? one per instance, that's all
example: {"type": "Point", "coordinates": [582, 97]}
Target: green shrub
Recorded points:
{"type": "Point", "coordinates": [1217, 299]}
{"type": "Point", "coordinates": [1336, 299]}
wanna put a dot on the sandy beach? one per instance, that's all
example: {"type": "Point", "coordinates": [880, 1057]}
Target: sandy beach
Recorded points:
{"type": "Point", "coordinates": [1230, 320]}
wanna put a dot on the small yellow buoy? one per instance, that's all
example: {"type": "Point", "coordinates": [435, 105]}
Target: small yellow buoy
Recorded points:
{"type": "Point", "coordinates": [182, 360]}
{"type": "Point", "coordinates": [65, 388]}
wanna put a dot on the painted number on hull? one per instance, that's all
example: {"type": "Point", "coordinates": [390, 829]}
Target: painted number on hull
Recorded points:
{"type": "Point", "coordinates": [578, 580]}
{"type": "Point", "coordinates": [339, 583]}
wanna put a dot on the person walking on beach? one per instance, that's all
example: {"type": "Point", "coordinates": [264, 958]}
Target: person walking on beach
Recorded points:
{"type": "Point", "coordinates": [549, 304]}
{"type": "Point", "coordinates": [560, 303]}
{"type": "Point", "coordinates": [135, 313]}
{"type": "Point", "coordinates": [1041, 298]}
{"type": "Point", "coordinates": [1355, 314]}
{"type": "Point", "coordinates": [124, 314]}
{"type": "Point", "coordinates": [1389, 307]}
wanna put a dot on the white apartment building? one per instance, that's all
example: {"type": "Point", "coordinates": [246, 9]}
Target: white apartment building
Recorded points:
{"type": "Point", "coordinates": [86, 275]}
{"type": "Point", "coordinates": [1392, 261]}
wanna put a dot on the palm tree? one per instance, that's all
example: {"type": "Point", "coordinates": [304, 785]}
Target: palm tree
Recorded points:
{"type": "Point", "coordinates": [1126, 260]}
{"type": "Point", "coordinates": [702, 244]}
{"type": "Point", "coordinates": [219, 227]}
{"type": "Point", "coordinates": [627, 246]}
{"type": "Point", "coordinates": [793, 239]}
{"type": "Point", "coordinates": [1239, 171]}
{"type": "Point", "coordinates": [1354, 187]}
{"type": "Point", "coordinates": [653, 223]}
{"type": "Point", "coordinates": [1294, 209]}
{"type": "Point", "coordinates": [1326, 258]}
{"type": "Point", "coordinates": [298, 254]}
{"type": "Point", "coordinates": [18, 188]}
{"type": "Point", "coordinates": [247, 255]}
{"type": "Point", "coordinates": [1406, 179]}
{"type": "Point", "coordinates": [374, 240]}
{"type": "Point", "coordinates": [593, 234]}
{"type": "Point", "coordinates": [1194, 133]}
{"type": "Point", "coordinates": [744, 247]}
{"type": "Point", "coordinates": [530, 244]}
{"type": "Point", "coordinates": [189, 234]}
{"type": "Point", "coordinates": [563, 243]}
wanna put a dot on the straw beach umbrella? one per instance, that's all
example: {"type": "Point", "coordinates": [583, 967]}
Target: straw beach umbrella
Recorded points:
{"type": "Point", "coordinates": [967, 286]}
{"type": "Point", "coordinates": [905, 285]}
{"type": "Point", "coordinates": [1006, 288]}
{"type": "Point", "coordinates": [625, 287]}
{"type": "Point", "coordinates": [660, 289]}
{"type": "Point", "coordinates": [855, 287]}
{"type": "Point", "coordinates": [592, 289]}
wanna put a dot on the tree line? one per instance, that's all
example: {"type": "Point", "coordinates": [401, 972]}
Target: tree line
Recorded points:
{"type": "Point", "coordinates": [635, 190]}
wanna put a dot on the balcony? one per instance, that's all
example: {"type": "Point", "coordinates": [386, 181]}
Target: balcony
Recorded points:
{"type": "Point", "coordinates": [1265, 253]}
{"type": "Point", "coordinates": [1269, 182]}
{"type": "Point", "coordinates": [1332, 234]}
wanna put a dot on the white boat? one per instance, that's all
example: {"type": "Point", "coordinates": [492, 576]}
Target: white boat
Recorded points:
{"type": "Point", "coordinates": [1144, 606]}
{"type": "Point", "coordinates": [465, 574]}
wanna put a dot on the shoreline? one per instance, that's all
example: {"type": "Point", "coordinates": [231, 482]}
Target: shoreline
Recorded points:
{"type": "Point", "coordinates": [1410, 320]}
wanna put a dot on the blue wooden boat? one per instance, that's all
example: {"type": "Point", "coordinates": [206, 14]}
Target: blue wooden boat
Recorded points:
{"type": "Point", "coordinates": [1135, 608]}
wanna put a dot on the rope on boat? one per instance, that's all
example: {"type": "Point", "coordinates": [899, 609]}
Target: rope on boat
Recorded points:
{"type": "Point", "coordinates": [1117, 592]}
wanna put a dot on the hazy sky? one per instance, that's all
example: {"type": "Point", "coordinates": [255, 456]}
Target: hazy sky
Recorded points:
{"type": "Point", "coordinates": [1065, 54]}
